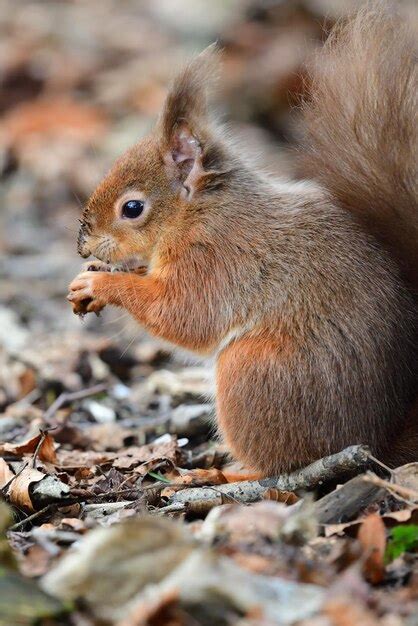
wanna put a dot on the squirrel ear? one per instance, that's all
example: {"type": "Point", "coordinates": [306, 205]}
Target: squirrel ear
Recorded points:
{"type": "Point", "coordinates": [184, 126]}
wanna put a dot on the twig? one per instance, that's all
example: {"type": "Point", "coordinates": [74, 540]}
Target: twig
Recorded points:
{"type": "Point", "coordinates": [410, 496]}
{"type": "Point", "coordinates": [44, 432]}
{"type": "Point", "coordinates": [386, 467]}
{"type": "Point", "coordinates": [326, 469]}
{"type": "Point", "coordinates": [65, 397]}
{"type": "Point", "coordinates": [30, 398]}
{"type": "Point", "coordinates": [68, 502]}
{"type": "Point", "coordinates": [177, 507]}
{"type": "Point", "coordinates": [34, 516]}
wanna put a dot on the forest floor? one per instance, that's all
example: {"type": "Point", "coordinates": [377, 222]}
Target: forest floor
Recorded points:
{"type": "Point", "coordinates": [117, 501]}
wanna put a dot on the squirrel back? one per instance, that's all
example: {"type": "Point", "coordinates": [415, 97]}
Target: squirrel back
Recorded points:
{"type": "Point", "coordinates": [362, 128]}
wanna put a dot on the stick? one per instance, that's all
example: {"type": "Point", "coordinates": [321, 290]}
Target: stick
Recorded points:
{"type": "Point", "coordinates": [410, 496]}
{"type": "Point", "coordinates": [34, 516]}
{"type": "Point", "coordinates": [326, 469]}
{"type": "Point", "coordinates": [69, 502]}
{"type": "Point", "coordinates": [65, 397]}
{"type": "Point", "coordinates": [345, 503]}
{"type": "Point", "coordinates": [43, 432]}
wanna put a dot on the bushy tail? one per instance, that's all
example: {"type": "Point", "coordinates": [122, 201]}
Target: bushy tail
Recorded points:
{"type": "Point", "coordinates": [362, 127]}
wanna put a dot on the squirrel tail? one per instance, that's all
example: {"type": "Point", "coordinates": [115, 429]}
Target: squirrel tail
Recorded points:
{"type": "Point", "coordinates": [362, 131]}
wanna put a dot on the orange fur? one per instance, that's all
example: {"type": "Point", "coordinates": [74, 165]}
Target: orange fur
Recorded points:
{"type": "Point", "coordinates": [301, 292]}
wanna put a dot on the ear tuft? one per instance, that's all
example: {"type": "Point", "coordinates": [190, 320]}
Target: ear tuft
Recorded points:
{"type": "Point", "coordinates": [187, 100]}
{"type": "Point", "coordinates": [188, 138]}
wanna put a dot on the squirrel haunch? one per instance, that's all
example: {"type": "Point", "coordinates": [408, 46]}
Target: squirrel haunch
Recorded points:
{"type": "Point", "coordinates": [302, 291]}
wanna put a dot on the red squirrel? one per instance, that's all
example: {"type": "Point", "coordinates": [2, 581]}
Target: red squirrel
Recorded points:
{"type": "Point", "coordinates": [304, 292]}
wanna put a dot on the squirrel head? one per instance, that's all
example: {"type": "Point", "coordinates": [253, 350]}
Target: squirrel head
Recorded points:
{"type": "Point", "coordinates": [171, 172]}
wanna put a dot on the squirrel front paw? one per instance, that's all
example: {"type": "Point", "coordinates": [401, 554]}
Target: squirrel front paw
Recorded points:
{"type": "Point", "coordinates": [87, 290]}
{"type": "Point", "coordinates": [95, 266]}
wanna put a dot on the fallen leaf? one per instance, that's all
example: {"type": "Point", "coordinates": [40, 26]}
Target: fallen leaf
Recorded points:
{"type": "Point", "coordinates": [372, 537]}
{"type": "Point", "coordinates": [82, 460]}
{"type": "Point", "coordinates": [51, 116]}
{"type": "Point", "coordinates": [109, 566]}
{"type": "Point", "coordinates": [6, 473]}
{"type": "Point", "coordinates": [134, 456]}
{"type": "Point", "coordinates": [46, 450]}
{"type": "Point", "coordinates": [192, 478]}
{"type": "Point", "coordinates": [35, 562]}
{"type": "Point", "coordinates": [205, 574]}
{"type": "Point", "coordinates": [407, 476]}
{"type": "Point", "coordinates": [390, 519]}
{"type": "Point", "coordinates": [27, 381]}
{"type": "Point", "coordinates": [400, 517]}
{"type": "Point", "coordinates": [344, 612]}
{"type": "Point", "coordinates": [271, 521]}
{"type": "Point", "coordinates": [18, 491]}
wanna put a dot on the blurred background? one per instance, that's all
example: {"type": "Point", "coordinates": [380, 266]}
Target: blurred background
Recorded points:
{"type": "Point", "coordinates": [83, 80]}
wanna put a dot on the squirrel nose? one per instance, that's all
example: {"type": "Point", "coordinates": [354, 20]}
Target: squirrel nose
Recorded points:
{"type": "Point", "coordinates": [84, 253]}
{"type": "Point", "coordinates": [82, 248]}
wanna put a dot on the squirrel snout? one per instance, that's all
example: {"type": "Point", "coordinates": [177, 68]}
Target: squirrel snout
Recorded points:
{"type": "Point", "coordinates": [82, 248]}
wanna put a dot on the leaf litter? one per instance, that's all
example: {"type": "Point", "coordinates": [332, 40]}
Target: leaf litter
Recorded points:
{"type": "Point", "coordinates": [120, 506]}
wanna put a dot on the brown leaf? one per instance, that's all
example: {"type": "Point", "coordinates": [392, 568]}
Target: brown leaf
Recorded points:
{"type": "Point", "coordinates": [27, 382]}
{"type": "Point", "coordinates": [402, 516]}
{"type": "Point", "coordinates": [200, 477]}
{"type": "Point", "coordinates": [372, 537]}
{"type": "Point", "coordinates": [19, 489]}
{"type": "Point", "coordinates": [80, 459]}
{"type": "Point", "coordinates": [192, 478]}
{"type": "Point", "coordinates": [392, 518]}
{"type": "Point", "coordinates": [6, 473]}
{"type": "Point", "coordinates": [36, 561]}
{"type": "Point", "coordinates": [343, 612]}
{"type": "Point", "coordinates": [407, 476]}
{"type": "Point", "coordinates": [51, 116]}
{"type": "Point", "coordinates": [288, 497]}
{"type": "Point", "coordinates": [248, 524]}
{"type": "Point", "coordinates": [46, 450]}
{"type": "Point", "coordinates": [136, 455]}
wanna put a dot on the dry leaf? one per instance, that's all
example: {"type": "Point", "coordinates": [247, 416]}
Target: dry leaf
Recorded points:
{"type": "Point", "coordinates": [81, 460]}
{"type": "Point", "coordinates": [372, 536]}
{"type": "Point", "coordinates": [109, 566]}
{"type": "Point", "coordinates": [407, 476]}
{"type": "Point", "coordinates": [205, 574]}
{"type": "Point", "coordinates": [392, 518]}
{"type": "Point", "coordinates": [46, 450]}
{"type": "Point", "coordinates": [27, 382]}
{"type": "Point", "coordinates": [18, 492]}
{"type": "Point", "coordinates": [36, 561]}
{"type": "Point", "coordinates": [343, 612]}
{"type": "Point", "coordinates": [133, 456]}
{"type": "Point", "coordinates": [263, 520]}
{"type": "Point", "coordinates": [192, 478]}
{"type": "Point", "coordinates": [409, 515]}
{"type": "Point", "coordinates": [58, 116]}
{"type": "Point", "coordinates": [199, 477]}
{"type": "Point", "coordinates": [288, 497]}
{"type": "Point", "coordinates": [6, 473]}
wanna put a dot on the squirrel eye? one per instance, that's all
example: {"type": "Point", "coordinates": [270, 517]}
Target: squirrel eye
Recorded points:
{"type": "Point", "coordinates": [132, 208]}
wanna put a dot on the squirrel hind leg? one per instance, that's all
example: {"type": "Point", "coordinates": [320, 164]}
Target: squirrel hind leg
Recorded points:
{"type": "Point", "coordinates": [405, 447]}
{"type": "Point", "coordinates": [280, 408]}
{"type": "Point", "coordinates": [256, 400]}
